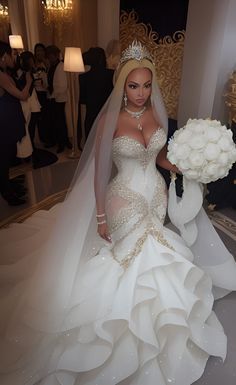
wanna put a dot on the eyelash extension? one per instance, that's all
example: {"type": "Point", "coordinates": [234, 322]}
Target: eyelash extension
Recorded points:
{"type": "Point", "coordinates": [133, 86]}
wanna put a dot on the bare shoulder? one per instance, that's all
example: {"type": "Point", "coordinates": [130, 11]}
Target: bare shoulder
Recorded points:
{"type": "Point", "coordinates": [5, 80]}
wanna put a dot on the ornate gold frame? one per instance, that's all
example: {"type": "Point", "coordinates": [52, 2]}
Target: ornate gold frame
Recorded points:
{"type": "Point", "coordinates": [167, 53]}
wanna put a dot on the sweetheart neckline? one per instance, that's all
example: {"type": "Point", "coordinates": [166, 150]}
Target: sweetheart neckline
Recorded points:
{"type": "Point", "coordinates": [145, 147]}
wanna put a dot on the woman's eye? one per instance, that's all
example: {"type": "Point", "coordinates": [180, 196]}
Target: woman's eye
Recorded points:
{"type": "Point", "coordinates": [148, 85]}
{"type": "Point", "coordinates": [132, 86]}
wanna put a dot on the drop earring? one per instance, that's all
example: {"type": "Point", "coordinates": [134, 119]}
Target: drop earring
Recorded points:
{"type": "Point", "coordinates": [125, 99]}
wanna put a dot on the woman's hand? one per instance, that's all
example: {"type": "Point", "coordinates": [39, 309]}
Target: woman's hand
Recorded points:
{"type": "Point", "coordinates": [103, 232]}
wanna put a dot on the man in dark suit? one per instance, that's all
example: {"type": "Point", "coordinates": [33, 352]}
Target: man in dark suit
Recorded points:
{"type": "Point", "coordinates": [95, 87]}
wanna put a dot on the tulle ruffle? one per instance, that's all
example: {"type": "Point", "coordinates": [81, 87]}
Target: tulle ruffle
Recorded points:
{"type": "Point", "coordinates": [151, 323]}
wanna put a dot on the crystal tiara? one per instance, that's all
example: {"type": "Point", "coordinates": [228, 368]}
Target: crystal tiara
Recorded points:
{"type": "Point", "coordinates": [135, 51]}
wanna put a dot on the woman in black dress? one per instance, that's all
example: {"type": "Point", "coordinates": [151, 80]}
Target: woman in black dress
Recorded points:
{"type": "Point", "coordinates": [12, 122]}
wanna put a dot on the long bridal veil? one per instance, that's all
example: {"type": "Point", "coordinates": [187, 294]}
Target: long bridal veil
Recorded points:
{"type": "Point", "coordinates": [45, 298]}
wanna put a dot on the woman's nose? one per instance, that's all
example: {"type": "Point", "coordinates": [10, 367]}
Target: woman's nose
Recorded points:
{"type": "Point", "coordinates": [140, 91]}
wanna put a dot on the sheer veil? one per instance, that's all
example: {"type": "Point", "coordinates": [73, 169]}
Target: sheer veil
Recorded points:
{"type": "Point", "coordinates": [73, 239]}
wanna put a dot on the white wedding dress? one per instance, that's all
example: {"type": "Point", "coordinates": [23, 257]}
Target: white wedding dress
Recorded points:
{"type": "Point", "coordinates": [140, 311]}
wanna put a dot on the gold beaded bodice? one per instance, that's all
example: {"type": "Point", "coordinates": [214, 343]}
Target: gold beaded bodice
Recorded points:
{"type": "Point", "coordinates": [136, 199]}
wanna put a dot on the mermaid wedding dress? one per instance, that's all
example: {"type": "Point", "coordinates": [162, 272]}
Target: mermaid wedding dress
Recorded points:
{"type": "Point", "coordinates": [140, 310]}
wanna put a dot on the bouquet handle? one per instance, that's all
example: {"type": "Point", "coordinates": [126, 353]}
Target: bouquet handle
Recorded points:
{"type": "Point", "coordinates": [183, 211]}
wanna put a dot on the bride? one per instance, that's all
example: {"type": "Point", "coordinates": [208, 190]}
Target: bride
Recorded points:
{"type": "Point", "coordinates": [124, 300]}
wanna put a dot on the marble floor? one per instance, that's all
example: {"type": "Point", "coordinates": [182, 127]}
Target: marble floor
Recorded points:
{"type": "Point", "coordinates": [48, 186]}
{"type": "Point", "coordinates": [45, 187]}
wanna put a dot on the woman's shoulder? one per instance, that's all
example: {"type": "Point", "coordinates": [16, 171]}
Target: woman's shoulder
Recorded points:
{"type": "Point", "coordinates": [4, 79]}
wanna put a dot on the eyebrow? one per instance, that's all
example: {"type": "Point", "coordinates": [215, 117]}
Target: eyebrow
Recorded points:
{"type": "Point", "coordinates": [131, 81]}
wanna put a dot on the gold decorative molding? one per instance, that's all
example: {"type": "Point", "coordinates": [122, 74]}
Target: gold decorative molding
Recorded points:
{"type": "Point", "coordinates": [167, 53]}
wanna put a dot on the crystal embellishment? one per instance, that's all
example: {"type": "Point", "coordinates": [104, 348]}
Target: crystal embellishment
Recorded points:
{"type": "Point", "coordinates": [137, 115]}
{"type": "Point", "coordinates": [135, 51]}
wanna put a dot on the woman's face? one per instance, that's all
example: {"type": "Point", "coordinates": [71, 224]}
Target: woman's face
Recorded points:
{"type": "Point", "coordinates": [138, 87]}
{"type": "Point", "coordinates": [40, 53]}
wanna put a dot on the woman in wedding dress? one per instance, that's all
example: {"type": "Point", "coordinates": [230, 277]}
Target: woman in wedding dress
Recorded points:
{"type": "Point", "coordinates": [124, 300]}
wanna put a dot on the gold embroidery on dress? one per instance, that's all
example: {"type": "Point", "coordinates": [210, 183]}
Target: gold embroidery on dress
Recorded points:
{"type": "Point", "coordinates": [151, 230]}
{"type": "Point", "coordinates": [136, 204]}
{"type": "Point", "coordinates": [138, 208]}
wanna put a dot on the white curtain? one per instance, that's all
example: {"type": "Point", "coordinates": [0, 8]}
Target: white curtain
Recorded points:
{"type": "Point", "coordinates": [108, 11]}
{"type": "Point", "coordinates": [31, 9]}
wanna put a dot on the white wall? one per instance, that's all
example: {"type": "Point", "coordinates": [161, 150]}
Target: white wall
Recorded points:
{"type": "Point", "coordinates": [209, 57]}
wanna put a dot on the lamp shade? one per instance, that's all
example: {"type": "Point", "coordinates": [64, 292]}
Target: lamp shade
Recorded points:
{"type": "Point", "coordinates": [16, 41]}
{"type": "Point", "coordinates": [73, 61]}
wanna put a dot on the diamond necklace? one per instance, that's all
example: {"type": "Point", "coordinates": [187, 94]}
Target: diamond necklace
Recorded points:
{"type": "Point", "coordinates": [137, 115]}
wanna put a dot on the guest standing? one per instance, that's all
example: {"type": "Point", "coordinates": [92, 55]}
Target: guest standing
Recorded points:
{"type": "Point", "coordinates": [41, 86]}
{"type": "Point", "coordinates": [12, 122]}
{"type": "Point", "coordinates": [57, 97]}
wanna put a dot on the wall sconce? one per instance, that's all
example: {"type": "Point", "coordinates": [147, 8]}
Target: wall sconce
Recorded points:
{"type": "Point", "coordinates": [73, 64]}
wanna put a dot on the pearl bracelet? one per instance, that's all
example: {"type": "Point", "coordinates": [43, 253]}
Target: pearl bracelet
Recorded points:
{"type": "Point", "coordinates": [102, 222]}
{"type": "Point", "coordinates": [100, 215]}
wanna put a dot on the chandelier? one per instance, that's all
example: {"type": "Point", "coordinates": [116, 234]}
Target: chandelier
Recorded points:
{"type": "Point", "coordinates": [4, 16]}
{"type": "Point", "coordinates": [57, 12]}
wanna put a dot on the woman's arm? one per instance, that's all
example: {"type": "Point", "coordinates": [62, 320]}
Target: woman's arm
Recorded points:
{"type": "Point", "coordinates": [8, 85]}
{"type": "Point", "coordinates": [163, 162]}
{"type": "Point", "coordinates": [99, 185]}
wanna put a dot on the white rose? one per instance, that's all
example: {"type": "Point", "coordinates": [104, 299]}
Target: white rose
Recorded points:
{"type": "Point", "coordinates": [182, 151]}
{"type": "Point", "coordinates": [205, 179]}
{"type": "Point", "coordinates": [212, 134]}
{"type": "Point", "coordinates": [196, 159]}
{"type": "Point", "coordinates": [212, 151]}
{"type": "Point", "coordinates": [192, 174]}
{"type": "Point", "coordinates": [222, 172]}
{"type": "Point", "coordinates": [211, 169]}
{"type": "Point", "coordinates": [184, 136]}
{"type": "Point", "coordinates": [225, 143]}
{"type": "Point", "coordinates": [223, 159]}
{"type": "Point", "coordinates": [171, 158]}
{"type": "Point", "coordinates": [183, 164]}
{"type": "Point", "coordinates": [229, 133]}
{"type": "Point", "coordinates": [197, 142]}
{"type": "Point", "coordinates": [196, 126]}
{"type": "Point", "coordinates": [215, 123]}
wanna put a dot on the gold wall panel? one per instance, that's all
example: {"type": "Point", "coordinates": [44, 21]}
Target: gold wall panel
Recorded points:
{"type": "Point", "coordinates": [167, 53]}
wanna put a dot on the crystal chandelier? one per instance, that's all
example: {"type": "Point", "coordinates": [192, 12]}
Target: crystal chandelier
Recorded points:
{"type": "Point", "coordinates": [57, 12]}
{"type": "Point", "coordinates": [4, 16]}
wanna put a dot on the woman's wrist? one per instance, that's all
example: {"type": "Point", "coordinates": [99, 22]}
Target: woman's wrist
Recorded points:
{"type": "Point", "coordinates": [101, 219]}
{"type": "Point", "coordinates": [101, 222]}
{"type": "Point", "coordinates": [100, 215]}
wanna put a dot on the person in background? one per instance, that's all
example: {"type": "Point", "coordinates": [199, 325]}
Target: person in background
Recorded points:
{"type": "Point", "coordinates": [95, 86]}
{"type": "Point", "coordinates": [12, 123]}
{"type": "Point", "coordinates": [57, 96]}
{"type": "Point", "coordinates": [41, 85]}
{"type": "Point", "coordinates": [31, 107]}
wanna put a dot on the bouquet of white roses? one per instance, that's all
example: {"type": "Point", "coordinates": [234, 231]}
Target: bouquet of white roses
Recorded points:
{"type": "Point", "coordinates": [203, 150]}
